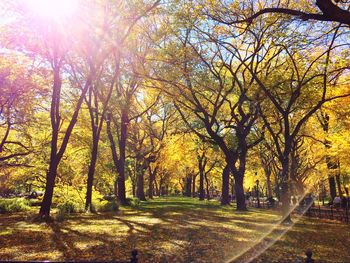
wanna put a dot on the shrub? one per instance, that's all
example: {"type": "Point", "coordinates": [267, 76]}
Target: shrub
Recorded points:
{"type": "Point", "coordinates": [66, 208]}
{"type": "Point", "coordinates": [13, 205]}
{"type": "Point", "coordinates": [108, 206]}
{"type": "Point", "coordinates": [135, 202]}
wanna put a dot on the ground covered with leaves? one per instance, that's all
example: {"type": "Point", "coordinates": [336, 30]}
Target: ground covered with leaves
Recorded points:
{"type": "Point", "coordinates": [174, 230]}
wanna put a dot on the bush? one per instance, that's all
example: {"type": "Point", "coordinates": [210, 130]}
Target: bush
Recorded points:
{"type": "Point", "coordinates": [66, 208]}
{"type": "Point", "coordinates": [109, 197]}
{"type": "Point", "coordinates": [13, 205]}
{"type": "Point", "coordinates": [135, 202]}
{"type": "Point", "coordinates": [108, 206]}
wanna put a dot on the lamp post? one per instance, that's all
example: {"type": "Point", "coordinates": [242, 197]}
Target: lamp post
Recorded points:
{"type": "Point", "coordinates": [257, 192]}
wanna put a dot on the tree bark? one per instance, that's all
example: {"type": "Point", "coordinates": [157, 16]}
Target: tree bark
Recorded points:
{"type": "Point", "coordinates": [152, 176]}
{"type": "Point", "coordinates": [337, 179]}
{"type": "Point", "coordinates": [45, 208]}
{"type": "Point", "coordinates": [239, 174]}
{"type": "Point", "coordinates": [114, 154]}
{"type": "Point", "coordinates": [285, 194]}
{"type": "Point", "coordinates": [233, 186]}
{"type": "Point", "coordinates": [225, 187]}
{"type": "Point", "coordinates": [207, 186]}
{"type": "Point", "coordinates": [240, 197]}
{"type": "Point", "coordinates": [140, 192]}
{"type": "Point", "coordinates": [188, 183]}
{"type": "Point", "coordinates": [115, 188]}
{"type": "Point", "coordinates": [122, 148]}
{"type": "Point", "coordinates": [194, 185]}
{"type": "Point", "coordinates": [268, 182]}
{"type": "Point", "coordinates": [201, 183]}
{"type": "Point", "coordinates": [91, 172]}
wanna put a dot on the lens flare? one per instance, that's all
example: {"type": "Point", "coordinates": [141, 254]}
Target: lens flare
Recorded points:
{"type": "Point", "coordinates": [53, 9]}
{"type": "Point", "coordinates": [269, 237]}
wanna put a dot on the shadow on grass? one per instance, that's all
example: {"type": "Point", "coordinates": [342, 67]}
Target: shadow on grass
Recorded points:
{"type": "Point", "coordinates": [163, 230]}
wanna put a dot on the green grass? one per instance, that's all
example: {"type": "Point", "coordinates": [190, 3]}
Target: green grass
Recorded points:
{"type": "Point", "coordinates": [173, 230]}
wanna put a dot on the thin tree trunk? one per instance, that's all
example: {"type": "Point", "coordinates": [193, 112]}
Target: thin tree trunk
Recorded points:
{"type": "Point", "coordinates": [160, 187]}
{"type": "Point", "coordinates": [188, 182]}
{"type": "Point", "coordinates": [225, 198]}
{"type": "Point", "coordinates": [140, 192]}
{"type": "Point", "coordinates": [194, 185]}
{"type": "Point", "coordinates": [207, 186]}
{"type": "Point", "coordinates": [91, 173]}
{"type": "Point", "coordinates": [233, 186]}
{"type": "Point", "coordinates": [152, 175]}
{"type": "Point", "coordinates": [122, 148]}
{"type": "Point", "coordinates": [156, 188]}
{"type": "Point", "coordinates": [114, 153]}
{"type": "Point", "coordinates": [201, 184]}
{"type": "Point", "coordinates": [337, 179]}
{"type": "Point", "coordinates": [268, 182]}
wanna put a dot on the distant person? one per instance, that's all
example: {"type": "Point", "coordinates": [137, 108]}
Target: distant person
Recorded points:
{"type": "Point", "coordinates": [309, 201]}
{"type": "Point", "coordinates": [337, 201]}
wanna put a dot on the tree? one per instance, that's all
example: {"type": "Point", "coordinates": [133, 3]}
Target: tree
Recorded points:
{"type": "Point", "coordinates": [214, 101]}
{"type": "Point", "coordinates": [204, 156]}
{"type": "Point", "coordinates": [325, 10]}
{"type": "Point", "coordinates": [17, 102]}
{"type": "Point", "coordinates": [285, 95]}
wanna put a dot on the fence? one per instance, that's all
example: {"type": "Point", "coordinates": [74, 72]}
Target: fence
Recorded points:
{"type": "Point", "coordinates": [325, 212]}
{"type": "Point", "coordinates": [332, 213]}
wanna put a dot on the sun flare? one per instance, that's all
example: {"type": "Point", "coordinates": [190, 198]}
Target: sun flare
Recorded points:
{"type": "Point", "coordinates": [53, 9]}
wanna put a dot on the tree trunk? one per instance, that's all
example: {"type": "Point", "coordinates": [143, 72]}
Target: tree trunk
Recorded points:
{"type": "Point", "coordinates": [330, 164]}
{"type": "Point", "coordinates": [114, 154]}
{"type": "Point", "coordinates": [160, 187]}
{"type": "Point", "coordinates": [194, 185]}
{"type": "Point", "coordinates": [156, 187]}
{"type": "Point", "coordinates": [188, 182]}
{"type": "Point", "coordinates": [332, 187]}
{"type": "Point", "coordinates": [337, 179]}
{"type": "Point", "coordinates": [55, 118]}
{"type": "Point", "coordinates": [240, 197]}
{"type": "Point", "coordinates": [133, 186]}
{"type": "Point", "coordinates": [44, 212]}
{"type": "Point", "coordinates": [201, 185]}
{"type": "Point", "coordinates": [207, 186]}
{"type": "Point", "coordinates": [140, 192]}
{"type": "Point", "coordinates": [122, 147]}
{"type": "Point", "coordinates": [225, 187]}
{"type": "Point", "coordinates": [233, 186]}
{"type": "Point", "coordinates": [115, 188]}
{"type": "Point", "coordinates": [239, 174]}
{"type": "Point", "coordinates": [285, 195]}
{"type": "Point", "coordinates": [268, 182]}
{"type": "Point", "coordinates": [91, 173]}
{"type": "Point", "coordinates": [150, 183]}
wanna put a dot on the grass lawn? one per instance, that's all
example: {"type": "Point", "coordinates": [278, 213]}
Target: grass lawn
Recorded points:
{"type": "Point", "coordinates": [174, 230]}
